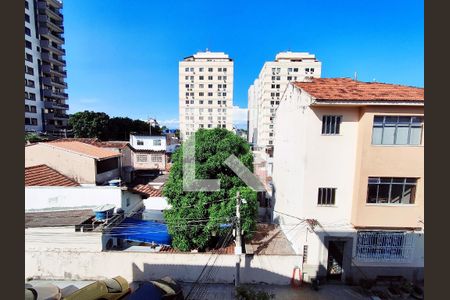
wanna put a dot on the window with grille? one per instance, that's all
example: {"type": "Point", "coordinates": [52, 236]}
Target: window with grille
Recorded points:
{"type": "Point", "coordinates": [391, 190]}
{"type": "Point", "coordinates": [305, 254]}
{"type": "Point", "coordinates": [326, 196]}
{"type": "Point", "coordinates": [397, 130]}
{"type": "Point", "coordinates": [141, 158]}
{"type": "Point", "coordinates": [156, 158]}
{"type": "Point", "coordinates": [378, 246]}
{"type": "Point", "coordinates": [331, 124]}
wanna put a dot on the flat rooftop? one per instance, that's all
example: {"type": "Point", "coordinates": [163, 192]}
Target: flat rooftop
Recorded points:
{"type": "Point", "coordinates": [57, 218]}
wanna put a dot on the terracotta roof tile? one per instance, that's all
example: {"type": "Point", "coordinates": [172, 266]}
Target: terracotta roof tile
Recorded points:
{"type": "Point", "coordinates": [43, 175]}
{"type": "Point", "coordinates": [146, 190]}
{"type": "Point", "coordinates": [332, 89]}
{"type": "Point", "coordinates": [84, 149]}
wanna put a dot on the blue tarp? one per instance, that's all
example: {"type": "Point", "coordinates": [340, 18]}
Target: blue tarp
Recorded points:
{"type": "Point", "coordinates": [142, 231]}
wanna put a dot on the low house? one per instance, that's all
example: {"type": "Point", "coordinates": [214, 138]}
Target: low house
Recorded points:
{"type": "Point", "coordinates": [47, 189]}
{"type": "Point", "coordinates": [348, 177]}
{"type": "Point", "coordinates": [84, 163]}
{"type": "Point", "coordinates": [148, 154]}
{"type": "Point", "coordinates": [60, 230]}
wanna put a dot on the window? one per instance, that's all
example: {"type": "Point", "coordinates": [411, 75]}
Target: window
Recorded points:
{"type": "Point", "coordinates": [28, 45]}
{"type": "Point", "coordinates": [201, 94]}
{"type": "Point", "coordinates": [210, 94]}
{"type": "Point", "coordinates": [201, 77]}
{"type": "Point", "coordinates": [391, 190]}
{"type": "Point", "coordinates": [186, 69]}
{"type": "Point", "coordinates": [26, 5]}
{"type": "Point", "coordinates": [32, 96]}
{"type": "Point", "coordinates": [201, 101]}
{"type": "Point", "coordinates": [224, 69]}
{"type": "Point", "coordinates": [289, 78]}
{"type": "Point", "coordinates": [29, 70]}
{"type": "Point", "coordinates": [305, 254]}
{"type": "Point", "coordinates": [27, 31]}
{"type": "Point", "coordinates": [219, 69]}
{"type": "Point", "coordinates": [27, 108]}
{"type": "Point", "coordinates": [140, 143]}
{"type": "Point", "coordinates": [289, 69]}
{"type": "Point", "coordinates": [210, 86]}
{"type": "Point", "coordinates": [306, 70]}
{"type": "Point", "coordinates": [32, 109]}
{"type": "Point", "coordinates": [141, 158]}
{"type": "Point", "coordinates": [27, 18]}
{"type": "Point", "coordinates": [210, 78]}
{"type": "Point", "coordinates": [200, 69]}
{"type": "Point", "coordinates": [201, 85]}
{"type": "Point", "coordinates": [28, 57]}
{"type": "Point", "coordinates": [331, 124]}
{"type": "Point", "coordinates": [295, 69]}
{"type": "Point", "coordinates": [27, 121]}
{"type": "Point", "coordinates": [326, 196]}
{"type": "Point", "coordinates": [397, 130]}
{"type": "Point", "coordinates": [377, 246]}
{"type": "Point", "coordinates": [33, 121]}
{"type": "Point", "coordinates": [210, 69]}
{"type": "Point", "coordinates": [312, 70]}
{"type": "Point", "coordinates": [156, 158]}
{"type": "Point", "coordinates": [191, 69]}
{"type": "Point", "coordinates": [156, 142]}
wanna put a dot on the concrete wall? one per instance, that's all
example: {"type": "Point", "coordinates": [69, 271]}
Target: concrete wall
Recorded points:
{"type": "Point", "coordinates": [42, 198]}
{"type": "Point", "coordinates": [78, 167]}
{"type": "Point", "coordinates": [59, 239]}
{"type": "Point", "coordinates": [387, 161]}
{"type": "Point", "coordinates": [90, 265]}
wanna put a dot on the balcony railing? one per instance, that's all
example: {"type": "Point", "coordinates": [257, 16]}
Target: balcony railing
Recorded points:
{"type": "Point", "coordinates": [47, 45]}
{"type": "Point", "coordinates": [52, 94]}
{"type": "Point", "coordinates": [55, 105]}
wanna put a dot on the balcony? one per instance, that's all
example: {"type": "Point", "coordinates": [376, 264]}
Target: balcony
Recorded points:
{"type": "Point", "coordinates": [47, 69]}
{"type": "Point", "coordinates": [54, 82]}
{"type": "Point", "coordinates": [45, 9]}
{"type": "Point", "coordinates": [47, 33]}
{"type": "Point", "coordinates": [51, 59]}
{"type": "Point", "coordinates": [47, 45]}
{"type": "Point", "coordinates": [46, 21]}
{"type": "Point", "coordinates": [55, 105]}
{"type": "Point", "coordinates": [52, 94]}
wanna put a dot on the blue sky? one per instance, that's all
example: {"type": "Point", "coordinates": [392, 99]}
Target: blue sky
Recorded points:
{"type": "Point", "coordinates": [122, 55]}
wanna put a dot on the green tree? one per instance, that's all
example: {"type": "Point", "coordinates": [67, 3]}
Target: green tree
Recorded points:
{"type": "Point", "coordinates": [119, 129]}
{"type": "Point", "coordinates": [195, 216]}
{"type": "Point", "coordinates": [89, 124]}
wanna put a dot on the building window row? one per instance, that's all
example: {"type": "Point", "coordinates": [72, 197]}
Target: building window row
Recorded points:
{"type": "Point", "coordinates": [202, 69]}
{"type": "Point", "coordinates": [30, 121]}
{"type": "Point", "coordinates": [30, 108]}
{"type": "Point", "coordinates": [30, 96]}
{"type": "Point", "coordinates": [209, 77]}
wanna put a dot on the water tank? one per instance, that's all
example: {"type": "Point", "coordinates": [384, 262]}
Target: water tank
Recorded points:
{"type": "Point", "coordinates": [104, 212]}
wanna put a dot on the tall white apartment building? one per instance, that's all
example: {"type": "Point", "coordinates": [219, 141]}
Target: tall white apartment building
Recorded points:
{"type": "Point", "coordinates": [265, 93]}
{"type": "Point", "coordinates": [45, 96]}
{"type": "Point", "coordinates": [205, 92]}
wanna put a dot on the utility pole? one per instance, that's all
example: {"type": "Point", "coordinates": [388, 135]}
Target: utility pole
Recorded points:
{"type": "Point", "coordinates": [238, 247]}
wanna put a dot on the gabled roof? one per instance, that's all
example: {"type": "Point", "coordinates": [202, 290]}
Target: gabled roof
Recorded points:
{"type": "Point", "coordinates": [111, 144]}
{"type": "Point", "coordinates": [83, 149]}
{"type": "Point", "coordinates": [43, 175]}
{"type": "Point", "coordinates": [346, 89]}
{"type": "Point", "coordinates": [146, 190]}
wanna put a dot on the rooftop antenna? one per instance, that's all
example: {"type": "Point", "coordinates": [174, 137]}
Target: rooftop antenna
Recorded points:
{"type": "Point", "coordinates": [356, 76]}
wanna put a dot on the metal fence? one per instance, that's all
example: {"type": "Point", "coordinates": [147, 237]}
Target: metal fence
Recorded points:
{"type": "Point", "coordinates": [385, 246]}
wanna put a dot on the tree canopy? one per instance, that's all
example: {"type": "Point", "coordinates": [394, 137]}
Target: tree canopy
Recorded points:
{"type": "Point", "coordinates": [196, 216]}
{"type": "Point", "coordinates": [90, 124]}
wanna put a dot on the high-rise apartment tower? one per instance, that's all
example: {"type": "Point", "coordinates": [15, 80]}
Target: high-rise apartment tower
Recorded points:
{"type": "Point", "coordinates": [205, 92]}
{"type": "Point", "coordinates": [45, 96]}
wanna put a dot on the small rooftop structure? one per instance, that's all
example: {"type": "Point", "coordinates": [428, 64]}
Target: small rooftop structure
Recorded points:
{"type": "Point", "coordinates": [208, 55]}
{"type": "Point", "coordinates": [57, 218]}
{"type": "Point", "coordinates": [295, 56]}
{"type": "Point", "coordinates": [43, 175]}
{"type": "Point", "coordinates": [84, 149]}
{"type": "Point", "coordinates": [346, 89]}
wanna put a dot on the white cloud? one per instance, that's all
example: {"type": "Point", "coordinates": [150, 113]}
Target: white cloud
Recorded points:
{"type": "Point", "coordinates": [240, 117]}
